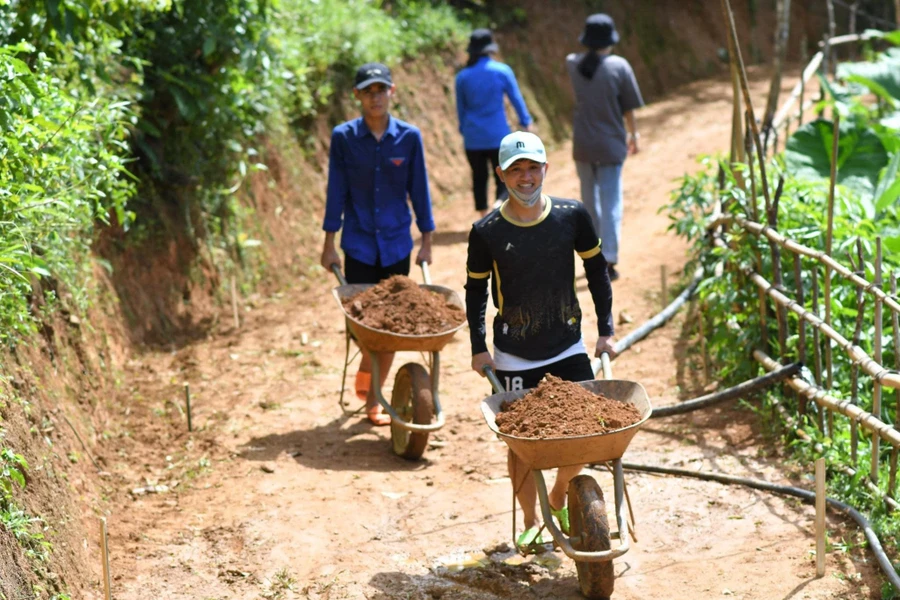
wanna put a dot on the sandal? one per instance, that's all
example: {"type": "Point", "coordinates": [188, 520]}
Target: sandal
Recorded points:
{"type": "Point", "coordinates": [562, 517]}
{"type": "Point", "coordinates": [377, 416]}
{"type": "Point", "coordinates": [363, 383]}
{"type": "Point", "coordinates": [529, 537]}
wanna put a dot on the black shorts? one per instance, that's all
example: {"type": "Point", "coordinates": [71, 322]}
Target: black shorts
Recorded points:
{"type": "Point", "coordinates": [359, 272]}
{"type": "Point", "coordinates": [574, 368]}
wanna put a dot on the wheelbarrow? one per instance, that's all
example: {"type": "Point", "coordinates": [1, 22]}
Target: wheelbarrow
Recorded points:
{"type": "Point", "coordinates": [588, 542]}
{"type": "Point", "coordinates": [415, 406]}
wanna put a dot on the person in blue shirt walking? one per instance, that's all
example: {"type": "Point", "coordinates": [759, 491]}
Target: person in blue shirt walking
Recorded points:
{"type": "Point", "coordinates": [376, 168]}
{"type": "Point", "coordinates": [480, 88]}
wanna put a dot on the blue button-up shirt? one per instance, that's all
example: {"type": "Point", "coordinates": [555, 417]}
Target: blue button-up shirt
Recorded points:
{"type": "Point", "coordinates": [368, 185]}
{"type": "Point", "coordinates": [479, 103]}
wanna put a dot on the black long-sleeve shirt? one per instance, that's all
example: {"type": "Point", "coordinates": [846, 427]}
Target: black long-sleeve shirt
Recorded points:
{"type": "Point", "coordinates": [531, 267]}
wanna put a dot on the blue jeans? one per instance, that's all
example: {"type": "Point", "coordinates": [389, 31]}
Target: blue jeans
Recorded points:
{"type": "Point", "coordinates": [601, 193]}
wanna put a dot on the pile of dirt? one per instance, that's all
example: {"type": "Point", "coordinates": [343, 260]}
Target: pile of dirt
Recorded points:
{"type": "Point", "coordinates": [558, 408]}
{"type": "Point", "coordinates": [399, 305]}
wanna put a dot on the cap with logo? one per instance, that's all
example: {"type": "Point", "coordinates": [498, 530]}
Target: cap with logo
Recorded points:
{"type": "Point", "coordinates": [371, 73]}
{"type": "Point", "coordinates": [519, 145]}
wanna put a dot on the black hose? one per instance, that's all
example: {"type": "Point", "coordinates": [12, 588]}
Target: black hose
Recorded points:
{"type": "Point", "coordinates": [741, 389]}
{"type": "Point", "coordinates": [874, 543]}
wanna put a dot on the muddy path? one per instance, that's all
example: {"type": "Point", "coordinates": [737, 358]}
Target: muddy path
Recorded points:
{"type": "Point", "coordinates": [277, 494]}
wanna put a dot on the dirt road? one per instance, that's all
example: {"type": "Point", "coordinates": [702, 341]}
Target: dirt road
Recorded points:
{"type": "Point", "coordinates": [277, 495]}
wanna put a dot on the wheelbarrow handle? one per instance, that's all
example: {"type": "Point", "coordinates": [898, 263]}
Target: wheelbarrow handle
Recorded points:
{"type": "Point", "coordinates": [337, 273]}
{"type": "Point", "coordinates": [492, 377]}
{"type": "Point", "coordinates": [602, 366]}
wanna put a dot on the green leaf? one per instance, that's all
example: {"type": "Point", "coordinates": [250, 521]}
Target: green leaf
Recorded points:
{"type": "Point", "coordinates": [209, 46]}
{"type": "Point", "coordinates": [889, 187]}
{"type": "Point", "coordinates": [861, 155]}
{"type": "Point", "coordinates": [883, 75]}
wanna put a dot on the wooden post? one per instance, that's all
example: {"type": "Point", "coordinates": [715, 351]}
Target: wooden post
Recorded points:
{"type": "Point", "coordinates": [892, 478]}
{"type": "Point", "coordinates": [857, 266]}
{"type": "Point", "coordinates": [895, 327]}
{"type": "Point", "coordinates": [876, 392]}
{"type": "Point", "coordinates": [104, 548]}
{"type": "Point", "coordinates": [801, 324]}
{"type": "Point", "coordinates": [187, 402]}
{"type": "Point", "coordinates": [829, 236]}
{"type": "Point", "coordinates": [701, 319]}
{"type": "Point", "coordinates": [735, 52]}
{"type": "Point", "coordinates": [817, 344]}
{"type": "Point", "coordinates": [820, 517]}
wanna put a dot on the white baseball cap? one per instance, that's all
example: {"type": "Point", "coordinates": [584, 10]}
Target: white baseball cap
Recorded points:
{"type": "Point", "coordinates": [519, 145]}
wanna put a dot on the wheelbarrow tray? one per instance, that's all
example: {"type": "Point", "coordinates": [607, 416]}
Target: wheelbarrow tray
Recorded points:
{"type": "Point", "coordinates": [575, 450]}
{"type": "Point", "coordinates": [378, 340]}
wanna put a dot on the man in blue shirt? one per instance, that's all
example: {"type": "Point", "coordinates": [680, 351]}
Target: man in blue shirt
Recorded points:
{"type": "Point", "coordinates": [376, 162]}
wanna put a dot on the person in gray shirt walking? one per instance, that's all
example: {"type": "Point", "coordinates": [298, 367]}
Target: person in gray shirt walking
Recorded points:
{"type": "Point", "coordinates": [604, 129]}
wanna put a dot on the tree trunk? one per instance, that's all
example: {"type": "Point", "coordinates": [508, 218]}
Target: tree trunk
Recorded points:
{"type": "Point", "coordinates": [782, 30]}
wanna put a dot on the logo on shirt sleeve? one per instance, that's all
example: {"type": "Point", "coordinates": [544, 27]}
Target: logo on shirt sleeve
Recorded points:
{"type": "Point", "coordinates": [398, 161]}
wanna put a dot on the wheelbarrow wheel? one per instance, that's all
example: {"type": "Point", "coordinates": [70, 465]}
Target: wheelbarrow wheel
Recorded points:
{"type": "Point", "coordinates": [411, 399]}
{"type": "Point", "coordinates": [589, 529]}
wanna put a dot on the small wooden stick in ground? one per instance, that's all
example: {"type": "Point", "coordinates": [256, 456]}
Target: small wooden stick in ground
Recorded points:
{"type": "Point", "coordinates": [820, 517]}
{"type": "Point", "coordinates": [187, 402]}
{"type": "Point", "coordinates": [104, 547]}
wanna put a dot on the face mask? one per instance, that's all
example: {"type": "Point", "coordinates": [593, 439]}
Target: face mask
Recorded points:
{"type": "Point", "coordinates": [529, 200]}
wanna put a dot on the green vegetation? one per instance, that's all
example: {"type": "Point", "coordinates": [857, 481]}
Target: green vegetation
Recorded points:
{"type": "Point", "coordinates": [140, 121]}
{"type": "Point", "coordinates": [867, 205]}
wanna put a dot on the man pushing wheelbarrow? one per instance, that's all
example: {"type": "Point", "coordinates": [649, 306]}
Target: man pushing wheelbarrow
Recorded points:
{"type": "Point", "coordinates": [526, 249]}
{"type": "Point", "coordinates": [376, 169]}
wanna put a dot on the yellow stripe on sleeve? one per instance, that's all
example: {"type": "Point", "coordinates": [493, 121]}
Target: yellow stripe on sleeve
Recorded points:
{"type": "Point", "coordinates": [484, 275]}
{"type": "Point", "coordinates": [590, 253]}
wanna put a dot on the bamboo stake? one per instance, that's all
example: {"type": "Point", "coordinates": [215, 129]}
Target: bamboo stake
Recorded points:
{"type": "Point", "coordinates": [735, 49]}
{"type": "Point", "coordinates": [876, 392]}
{"type": "Point", "coordinates": [104, 547]}
{"type": "Point", "coordinates": [817, 344]}
{"type": "Point", "coordinates": [801, 324]}
{"type": "Point", "coordinates": [895, 327]}
{"type": "Point", "coordinates": [854, 368]}
{"type": "Point", "coordinates": [754, 210]}
{"type": "Point", "coordinates": [820, 517]}
{"type": "Point", "coordinates": [892, 478]}
{"type": "Point", "coordinates": [791, 245]}
{"type": "Point", "coordinates": [187, 401]}
{"type": "Point", "coordinates": [829, 238]}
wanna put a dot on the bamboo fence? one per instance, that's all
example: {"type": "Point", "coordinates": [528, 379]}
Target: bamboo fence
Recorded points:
{"type": "Point", "coordinates": [735, 229]}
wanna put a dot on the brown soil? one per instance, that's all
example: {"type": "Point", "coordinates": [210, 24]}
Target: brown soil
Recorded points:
{"type": "Point", "coordinates": [558, 408]}
{"type": "Point", "coordinates": [399, 305]}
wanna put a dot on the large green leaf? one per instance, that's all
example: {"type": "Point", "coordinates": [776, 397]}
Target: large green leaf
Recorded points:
{"type": "Point", "coordinates": [861, 155]}
{"type": "Point", "coordinates": [885, 74]}
{"type": "Point", "coordinates": [888, 189]}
